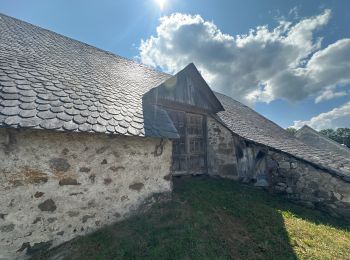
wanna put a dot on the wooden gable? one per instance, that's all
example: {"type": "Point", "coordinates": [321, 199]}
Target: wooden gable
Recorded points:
{"type": "Point", "coordinates": [187, 88]}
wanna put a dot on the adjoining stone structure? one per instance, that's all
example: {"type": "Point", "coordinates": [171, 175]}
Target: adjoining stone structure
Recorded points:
{"type": "Point", "coordinates": [55, 186]}
{"type": "Point", "coordinates": [230, 156]}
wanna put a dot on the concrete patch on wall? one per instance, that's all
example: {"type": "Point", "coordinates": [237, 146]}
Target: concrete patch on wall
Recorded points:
{"type": "Point", "coordinates": [55, 186]}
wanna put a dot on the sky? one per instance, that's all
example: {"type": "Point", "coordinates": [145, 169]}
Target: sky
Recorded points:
{"type": "Point", "coordinates": [288, 60]}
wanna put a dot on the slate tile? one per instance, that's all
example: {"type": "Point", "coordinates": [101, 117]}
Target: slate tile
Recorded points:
{"type": "Point", "coordinates": [79, 119]}
{"type": "Point", "coordinates": [52, 123]}
{"type": "Point", "coordinates": [46, 114]}
{"type": "Point", "coordinates": [30, 122]}
{"type": "Point", "coordinates": [10, 96]}
{"type": "Point", "coordinates": [44, 107]}
{"type": "Point", "coordinates": [85, 127]}
{"type": "Point", "coordinates": [10, 111]}
{"type": "Point", "coordinates": [65, 117]}
{"type": "Point", "coordinates": [10, 103]}
{"type": "Point", "coordinates": [99, 128]}
{"type": "Point", "coordinates": [28, 113]}
{"type": "Point", "coordinates": [70, 126]}
{"type": "Point", "coordinates": [12, 120]}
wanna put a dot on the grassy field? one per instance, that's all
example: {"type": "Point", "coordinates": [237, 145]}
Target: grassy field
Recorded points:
{"type": "Point", "coordinates": [217, 219]}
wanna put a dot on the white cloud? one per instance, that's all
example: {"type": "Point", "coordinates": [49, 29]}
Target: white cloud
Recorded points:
{"type": "Point", "coordinates": [337, 117]}
{"type": "Point", "coordinates": [263, 65]}
{"type": "Point", "coordinates": [329, 94]}
{"type": "Point", "coordinates": [294, 12]}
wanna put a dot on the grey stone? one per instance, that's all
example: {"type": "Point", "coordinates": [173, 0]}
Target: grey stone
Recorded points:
{"type": "Point", "coordinates": [68, 181]}
{"type": "Point", "coordinates": [104, 161]}
{"type": "Point", "coordinates": [284, 165]}
{"type": "Point", "coordinates": [84, 169]}
{"type": "Point", "coordinates": [86, 217]}
{"type": "Point", "coordinates": [59, 164]}
{"type": "Point", "coordinates": [107, 181]}
{"type": "Point", "coordinates": [48, 205]}
{"type": "Point", "coordinates": [289, 190]}
{"type": "Point", "coordinates": [7, 228]}
{"type": "Point", "coordinates": [38, 194]}
{"type": "Point", "coordinates": [73, 213]}
{"type": "Point", "coordinates": [136, 186]}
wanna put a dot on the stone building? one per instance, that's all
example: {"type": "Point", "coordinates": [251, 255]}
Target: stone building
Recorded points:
{"type": "Point", "coordinates": [87, 137]}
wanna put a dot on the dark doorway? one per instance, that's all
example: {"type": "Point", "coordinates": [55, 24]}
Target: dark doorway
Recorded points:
{"type": "Point", "coordinates": [189, 152]}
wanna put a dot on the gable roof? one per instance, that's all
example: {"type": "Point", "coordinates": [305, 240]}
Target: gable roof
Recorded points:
{"type": "Point", "coordinates": [188, 88]}
{"type": "Point", "coordinates": [311, 137]}
{"type": "Point", "coordinates": [49, 81]}
{"type": "Point", "coordinates": [247, 123]}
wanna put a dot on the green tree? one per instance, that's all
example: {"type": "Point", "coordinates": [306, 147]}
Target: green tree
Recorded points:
{"type": "Point", "coordinates": [291, 130]}
{"type": "Point", "coordinates": [340, 135]}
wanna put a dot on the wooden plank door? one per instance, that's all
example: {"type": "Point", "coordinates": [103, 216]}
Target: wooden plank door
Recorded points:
{"type": "Point", "coordinates": [189, 152]}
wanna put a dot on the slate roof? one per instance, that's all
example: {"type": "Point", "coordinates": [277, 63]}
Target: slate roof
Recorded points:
{"type": "Point", "coordinates": [49, 81]}
{"type": "Point", "coordinates": [247, 123]}
{"type": "Point", "coordinates": [311, 137]}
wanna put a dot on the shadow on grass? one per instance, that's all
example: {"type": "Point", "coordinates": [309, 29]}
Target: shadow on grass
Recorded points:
{"type": "Point", "coordinates": [206, 219]}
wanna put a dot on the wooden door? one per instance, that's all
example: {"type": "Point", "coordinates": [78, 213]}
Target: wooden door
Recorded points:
{"type": "Point", "coordinates": [189, 152]}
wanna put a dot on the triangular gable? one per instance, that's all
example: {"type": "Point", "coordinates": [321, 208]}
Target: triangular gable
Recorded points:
{"type": "Point", "coordinates": [311, 137]}
{"type": "Point", "coordinates": [188, 88]}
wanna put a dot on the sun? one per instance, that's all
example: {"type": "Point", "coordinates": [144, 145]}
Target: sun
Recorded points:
{"type": "Point", "coordinates": [161, 4]}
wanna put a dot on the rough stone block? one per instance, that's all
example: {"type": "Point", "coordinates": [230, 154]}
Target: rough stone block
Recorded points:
{"type": "Point", "coordinates": [284, 165]}
{"type": "Point", "coordinates": [48, 205]}
{"type": "Point", "coordinates": [293, 165]}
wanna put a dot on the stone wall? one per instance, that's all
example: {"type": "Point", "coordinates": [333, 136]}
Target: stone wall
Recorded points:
{"type": "Point", "coordinates": [230, 156]}
{"type": "Point", "coordinates": [221, 157]}
{"type": "Point", "coordinates": [55, 186]}
{"type": "Point", "coordinates": [310, 186]}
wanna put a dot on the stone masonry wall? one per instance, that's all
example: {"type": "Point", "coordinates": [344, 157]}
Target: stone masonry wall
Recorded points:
{"type": "Point", "coordinates": [310, 186]}
{"type": "Point", "coordinates": [230, 156]}
{"type": "Point", "coordinates": [55, 186]}
{"type": "Point", "coordinates": [221, 156]}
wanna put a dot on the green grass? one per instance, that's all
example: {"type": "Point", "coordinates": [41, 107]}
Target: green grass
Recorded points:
{"type": "Point", "coordinates": [217, 219]}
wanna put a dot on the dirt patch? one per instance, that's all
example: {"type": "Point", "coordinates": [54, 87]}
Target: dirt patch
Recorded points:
{"type": "Point", "coordinates": [35, 176]}
{"type": "Point", "coordinates": [28, 175]}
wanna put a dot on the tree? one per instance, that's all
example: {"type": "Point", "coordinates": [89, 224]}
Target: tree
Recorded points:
{"type": "Point", "coordinates": [291, 130]}
{"type": "Point", "coordinates": [340, 135]}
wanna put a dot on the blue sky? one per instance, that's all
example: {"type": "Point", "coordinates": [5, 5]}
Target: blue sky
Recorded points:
{"type": "Point", "coordinates": [119, 27]}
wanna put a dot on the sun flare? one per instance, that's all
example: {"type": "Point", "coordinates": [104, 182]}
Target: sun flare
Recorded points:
{"type": "Point", "coordinates": [161, 4]}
